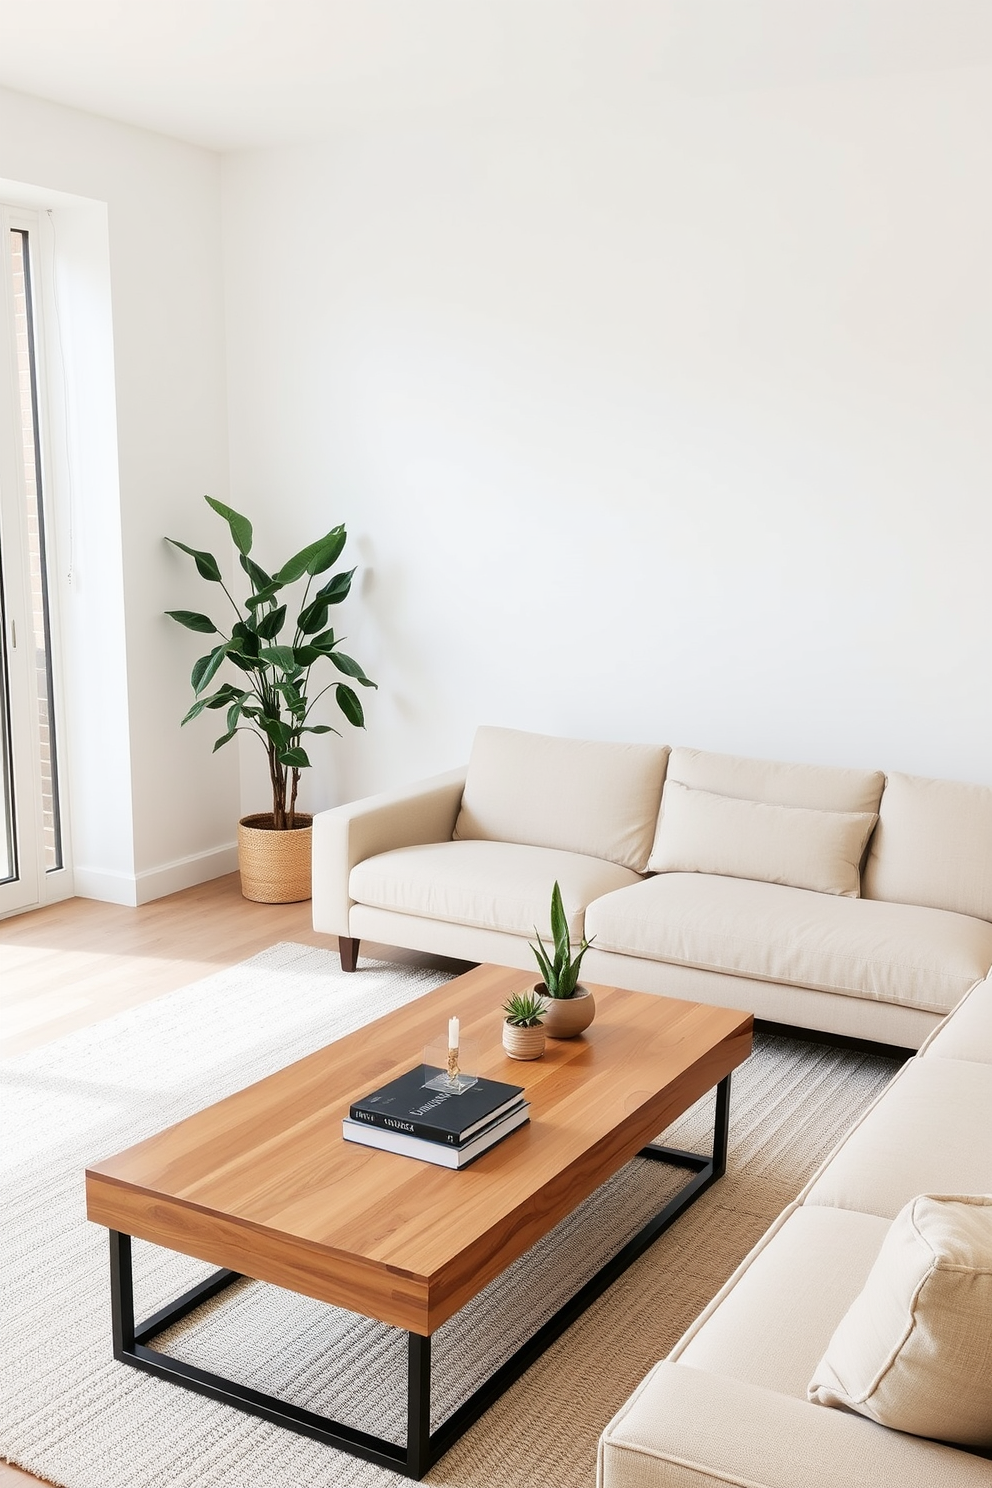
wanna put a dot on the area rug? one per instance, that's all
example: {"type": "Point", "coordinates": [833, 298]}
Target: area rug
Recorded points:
{"type": "Point", "coordinates": [74, 1416]}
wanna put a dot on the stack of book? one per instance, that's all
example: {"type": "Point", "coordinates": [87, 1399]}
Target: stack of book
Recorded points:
{"type": "Point", "coordinates": [450, 1130]}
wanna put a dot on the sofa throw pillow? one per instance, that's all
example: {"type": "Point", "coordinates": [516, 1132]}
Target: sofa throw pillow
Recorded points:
{"type": "Point", "coordinates": [577, 795]}
{"type": "Point", "coordinates": [699, 832]}
{"type": "Point", "coordinates": [818, 787]}
{"type": "Point", "coordinates": [933, 846]}
{"type": "Point", "coordinates": [914, 1350]}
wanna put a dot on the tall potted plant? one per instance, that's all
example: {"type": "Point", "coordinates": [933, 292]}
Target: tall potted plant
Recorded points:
{"type": "Point", "coordinates": [570, 1006]}
{"type": "Point", "coordinates": [273, 697]}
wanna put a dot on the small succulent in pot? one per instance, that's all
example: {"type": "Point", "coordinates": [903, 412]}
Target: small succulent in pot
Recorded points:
{"type": "Point", "coordinates": [525, 1010]}
{"type": "Point", "coordinates": [571, 1007]}
{"type": "Point", "coordinates": [523, 1032]}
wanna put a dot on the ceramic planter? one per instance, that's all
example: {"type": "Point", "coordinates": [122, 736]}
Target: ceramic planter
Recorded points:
{"type": "Point", "coordinates": [523, 1043]}
{"type": "Point", "coordinates": [275, 866]}
{"type": "Point", "coordinates": [567, 1016]}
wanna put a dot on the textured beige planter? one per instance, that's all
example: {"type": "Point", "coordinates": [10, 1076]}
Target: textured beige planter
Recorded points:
{"type": "Point", "coordinates": [275, 866]}
{"type": "Point", "coordinates": [567, 1016]}
{"type": "Point", "coordinates": [523, 1043]}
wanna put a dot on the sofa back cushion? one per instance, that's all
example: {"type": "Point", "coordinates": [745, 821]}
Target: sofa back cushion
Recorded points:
{"type": "Point", "coordinates": [598, 799]}
{"type": "Point", "coordinates": [818, 787]}
{"type": "Point", "coordinates": [933, 846]}
{"type": "Point", "coordinates": [913, 1351]}
{"type": "Point", "coordinates": [700, 832]}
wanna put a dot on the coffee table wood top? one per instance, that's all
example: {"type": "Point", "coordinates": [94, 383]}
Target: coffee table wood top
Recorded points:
{"type": "Point", "coordinates": [264, 1183]}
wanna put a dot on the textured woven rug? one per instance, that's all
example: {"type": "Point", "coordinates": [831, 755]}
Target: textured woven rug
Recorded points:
{"type": "Point", "coordinates": [74, 1416]}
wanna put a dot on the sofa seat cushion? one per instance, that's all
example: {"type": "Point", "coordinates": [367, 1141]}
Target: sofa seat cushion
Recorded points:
{"type": "Point", "coordinates": [967, 1033]}
{"type": "Point", "coordinates": [491, 885]}
{"type": "Point", "coordinates": [772, 1321]}
{"type": "Point", "coordinates": [930, 1132]}
{"type": "Point", "coordinates": [925, 958]}
{"type": "Point", "coordinates": [579, 795]}
{"type": "Point", "coordinates": [687, 1428]}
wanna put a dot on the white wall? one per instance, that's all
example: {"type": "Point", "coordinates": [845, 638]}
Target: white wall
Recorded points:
{"type": "Point", "coordinates": [651, 417]}
{"type": "Point", "coordinates": [151, 810]}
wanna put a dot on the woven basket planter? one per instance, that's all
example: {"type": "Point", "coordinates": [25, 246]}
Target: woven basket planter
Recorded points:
{"type": "Point", "coordinates": [523, 1043]}
{"type": "Point", "coordinates": [275, 866]}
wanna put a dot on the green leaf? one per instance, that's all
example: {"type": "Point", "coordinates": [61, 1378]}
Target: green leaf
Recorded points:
{"type": "Point", "coordinates": [217, 699]}
{"type": "Point", "coordinates": [318, 728]}
{"type": "Point", "coordinates": [350, 667]}
{"type": "Point", "coordinates": [235, 710]}
{"type": "Point", "coordinates": [239, 525]}
{"type": "Point", "coordinates": [243, 648]}
{"type": "Point", "coordinates": [195, 711]}
{"type": "Point", "coordinates": [276, 730]}
{"type": "Point", "coordinates": [258, 576]}
{"type": "Point", "coordinates": [544, 962]}
{"type": "Point", "coordinates": [262, 597]}
{"type": "Point", "coordinates": [313, 617]}
{"type": "Point", "coordinates": [206, 667]}
{"type": "Point", "coordinates": [559, 928]}
{"type": "Point", "coordinates": [323, 642]}
{"type": "Point", "coordinates": [206, 564]}
{"type": "Point", "coordinates": [281, 657]}
{"type": "Point", "coordinates": [349, 704]}
{"type": "Point", "coordinates": [271, 624]}
{"type": "Point", "coordinates": [314, 558]}
{"type": "Point", "coordinates": [194, 621]}
{"type": "Point", "coordinates": [223, 696]}
{"type": "Point", "coordinates": [296, 758]}
{"type": "Point", "coordinates": [244, 639]}
{"type": "Point", "coordinates": [224, 739]}
{"type": "Point", "coordinates": [337, 589]}
{"type": "Point", "coordinates": [330, 550]}
{"type": "Point", "coordinates": [307, 655]}
{"type": "Point", "coordinates": [245, 663]}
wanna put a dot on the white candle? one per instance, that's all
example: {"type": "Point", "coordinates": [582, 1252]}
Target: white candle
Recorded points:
{"type": "Point", "coordinates": [452, 1033]}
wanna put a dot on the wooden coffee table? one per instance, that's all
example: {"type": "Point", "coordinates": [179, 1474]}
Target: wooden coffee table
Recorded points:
{"type": "Point", "coordinates": [263, 1185]}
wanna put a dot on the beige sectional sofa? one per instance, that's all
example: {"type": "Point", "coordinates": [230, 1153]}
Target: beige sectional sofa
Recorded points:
{"type": "Point", "coordinates": [824, 898]}
{"type": "Point", "coordinates": [730, 1404]}
{"type": "Point", "coordinates": [835, 900]}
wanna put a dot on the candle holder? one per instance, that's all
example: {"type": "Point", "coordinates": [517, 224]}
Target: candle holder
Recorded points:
{"type": "Point", "coordinates": [451, 1071]}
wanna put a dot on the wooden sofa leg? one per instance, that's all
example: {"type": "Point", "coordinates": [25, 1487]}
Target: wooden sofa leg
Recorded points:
{"type": "Point", "coordinates": [348, 951]}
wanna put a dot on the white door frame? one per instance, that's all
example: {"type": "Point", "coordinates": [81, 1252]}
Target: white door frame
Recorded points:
{"type": "Point", "coordinates": [32, 885]}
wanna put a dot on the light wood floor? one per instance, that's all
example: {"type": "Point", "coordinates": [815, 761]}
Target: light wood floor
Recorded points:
{"type": "Point", "coordinates": [71, 964]}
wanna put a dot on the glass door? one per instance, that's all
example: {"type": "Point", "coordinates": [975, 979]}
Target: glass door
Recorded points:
{"type": "Point", "coordinates": [31, 845]}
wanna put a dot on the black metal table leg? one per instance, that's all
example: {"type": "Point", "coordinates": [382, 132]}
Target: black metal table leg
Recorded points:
{"type": "Point", "coordinates": [422, 1448]}
{"type": "Point", "coordinates": [121, 1294]}
{"type": "Point", "coordinates": [418, 1419]}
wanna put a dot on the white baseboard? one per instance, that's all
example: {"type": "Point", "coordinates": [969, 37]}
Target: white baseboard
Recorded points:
{"type": "Point", "coordinates": [155, 883]}
{"type": "Point", "coordinates": [183, 873]}
{"type": "Point", "coordinates": [112, 888]}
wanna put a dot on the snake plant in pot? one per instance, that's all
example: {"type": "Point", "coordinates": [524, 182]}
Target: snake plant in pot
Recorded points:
{"type": "Point", "coordinates": [270, 696]}
{"type": "Point", "coordinates": [570, 1006]}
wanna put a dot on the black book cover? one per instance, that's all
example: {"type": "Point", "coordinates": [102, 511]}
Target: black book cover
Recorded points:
{"type": "Point", "coordinates": [406, 1105]}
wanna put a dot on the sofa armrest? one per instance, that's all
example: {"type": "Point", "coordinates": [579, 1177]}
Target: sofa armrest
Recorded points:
{"type": "Point", "coordinates": [346, 835]}
{"type": "Point", "coordinates": [688, 1428]}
